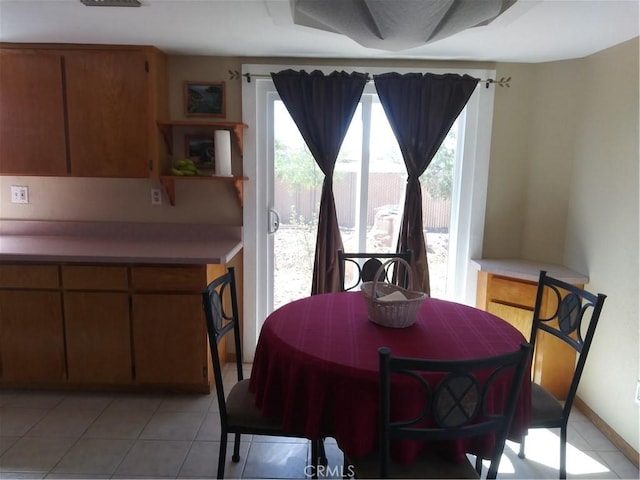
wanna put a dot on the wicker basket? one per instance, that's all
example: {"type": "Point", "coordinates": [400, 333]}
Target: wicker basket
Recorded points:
{"type": "Point", "coordinates": [392, 313]}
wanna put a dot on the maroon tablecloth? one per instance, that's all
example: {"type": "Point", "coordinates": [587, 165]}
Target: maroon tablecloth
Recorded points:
{"type": "Point", "coordinates": [316, 366]}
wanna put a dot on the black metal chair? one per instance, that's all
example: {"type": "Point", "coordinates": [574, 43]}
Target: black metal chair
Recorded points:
{"type": "Point", "coordinates": [238, 413]}
{"type": "Point", "coordinates": [367, 270]}
{"type": "Point", "coordinates": [455, 408]}
{"type": "Point", "coordinates": [575, 308]}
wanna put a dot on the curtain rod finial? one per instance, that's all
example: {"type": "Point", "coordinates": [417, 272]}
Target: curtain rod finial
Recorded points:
{"type": "Point", "coordinates": [503, 82]}
{"type": "Point", "coordinates": [235, 75]}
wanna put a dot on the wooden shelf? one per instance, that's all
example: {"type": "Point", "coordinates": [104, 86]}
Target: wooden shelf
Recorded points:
{"type": "Point", "coordinates": [168, 182]}
{"type": "Point", "coordinates": [167, 130]}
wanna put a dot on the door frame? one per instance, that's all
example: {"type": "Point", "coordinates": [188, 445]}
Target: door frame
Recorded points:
{"type": "Point", "coordinates": [473, 179]}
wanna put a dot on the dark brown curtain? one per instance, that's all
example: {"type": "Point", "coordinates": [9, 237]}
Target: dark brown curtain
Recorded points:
{"type": "Point", "coordinates": [421, 109]}
{"type": "Point", "coordinates": [322, 107]}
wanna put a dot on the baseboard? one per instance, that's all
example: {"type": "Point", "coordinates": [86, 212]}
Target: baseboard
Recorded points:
{"type": "Point", "coordinates": [607, 431]}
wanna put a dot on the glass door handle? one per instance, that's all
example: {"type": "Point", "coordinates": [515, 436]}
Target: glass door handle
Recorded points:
{"type": "Point", "coordinates": [274, 222]}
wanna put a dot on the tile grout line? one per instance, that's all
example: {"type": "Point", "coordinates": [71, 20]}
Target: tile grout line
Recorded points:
{"type": "Point", "coordinates": [81, 436]}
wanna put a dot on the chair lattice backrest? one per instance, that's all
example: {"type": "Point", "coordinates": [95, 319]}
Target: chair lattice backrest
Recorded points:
{"type": "Point", "coordinates": [458, 399]}
{"type": "Point", "coordinates": [367, 264]}
{"type": "Point", "coordinates": [220, 303]}
{"type": "Point", "coordinates": [574, 309]}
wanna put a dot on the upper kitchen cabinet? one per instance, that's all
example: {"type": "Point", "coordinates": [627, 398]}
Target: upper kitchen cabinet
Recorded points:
{"type": "Point", "coordinates": [112, 105]}
{"type": "Point", "coordinates": [109, 99]}
{"type": "Point", "coordinates": [32, 113]}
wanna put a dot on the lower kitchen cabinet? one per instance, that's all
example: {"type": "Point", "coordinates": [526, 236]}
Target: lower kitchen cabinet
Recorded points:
{"type": "Point", "coordinates": [97, 324]}
{"type": "Point", "coordinates": [98, 335]}
{"type": "Point", "coordinates": [31, 324]}
{"type": "Point", "coordinates": [513, 299]}
{"type": "Point", "coordinates": [169, 340]}
{"type": "Point", "coordinates": [105, 326]}
{"type": "Point", "coordinates": [31, 336]}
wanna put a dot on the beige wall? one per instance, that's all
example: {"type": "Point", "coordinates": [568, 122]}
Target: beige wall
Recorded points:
{"type": "Point", "coordinates": [601, 235]}
{"type": "Point", "coordinates": [126, 200]}
{"type": "Point", "coordinates": [506, 200]}
{"type": "Point", "coordinates": [564, 147]}
{"type": "Point", "coordinates": [555, 93]}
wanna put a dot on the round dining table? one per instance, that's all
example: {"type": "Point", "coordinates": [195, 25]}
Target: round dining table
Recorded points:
{"type": "Point", "coordinates": [316, 367]}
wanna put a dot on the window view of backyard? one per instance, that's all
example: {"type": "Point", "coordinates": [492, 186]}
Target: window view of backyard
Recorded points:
{"type": "Point", "coordinates": [369, 184]}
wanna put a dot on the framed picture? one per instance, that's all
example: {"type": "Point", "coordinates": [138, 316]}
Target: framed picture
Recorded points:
{"type": "Point", "coordinates": [200, 150]}
{"type": "Point", "coordinates": [204, 99]}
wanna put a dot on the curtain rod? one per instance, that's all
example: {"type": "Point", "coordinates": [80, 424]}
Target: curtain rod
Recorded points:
{"type": "Point", "coordinates": [235, 75]}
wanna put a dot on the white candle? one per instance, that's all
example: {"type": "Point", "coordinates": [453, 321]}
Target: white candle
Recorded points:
{"type": "Point", "coordinates": [222, 141]}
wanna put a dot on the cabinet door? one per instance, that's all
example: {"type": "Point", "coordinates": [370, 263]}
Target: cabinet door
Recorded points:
{"type": "Point", "coordinates": [521, 318]}
{"type": "Point", "coordinates": [513, 301]}
{"type": "Point", "coordinates": [98, 337]}
{"type": "Point", "coordinates": [169, 339]}
{"type": "Point", "coordinates": [109, 113]}
{"type": "Point", "coordinates": [31, 336]}
{"type": "Point", "coordinates": [32, 123]}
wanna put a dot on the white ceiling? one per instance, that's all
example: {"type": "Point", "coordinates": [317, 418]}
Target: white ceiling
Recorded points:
{"type": "Point", "coordinates": [529, 31]}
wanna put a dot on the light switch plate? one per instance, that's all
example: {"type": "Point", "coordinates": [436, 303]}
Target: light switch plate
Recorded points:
{"type": "Point", "coordinates": [19, 194]}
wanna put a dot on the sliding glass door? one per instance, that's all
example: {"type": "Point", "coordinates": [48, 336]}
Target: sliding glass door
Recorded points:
{"type": "Point", "coordinates": [283, 191]}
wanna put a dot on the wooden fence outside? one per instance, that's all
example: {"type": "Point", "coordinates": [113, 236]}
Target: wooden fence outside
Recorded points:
{"type": "Point", "coordinates": [385, 191]}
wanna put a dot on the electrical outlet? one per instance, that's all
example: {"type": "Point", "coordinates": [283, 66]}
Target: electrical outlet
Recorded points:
{"type": "Point", "coordinates": [638, 392]}
{"type": "Point", "coordinates": [156, 196]}
{"type": "Point", "coordinates": [19, 194]}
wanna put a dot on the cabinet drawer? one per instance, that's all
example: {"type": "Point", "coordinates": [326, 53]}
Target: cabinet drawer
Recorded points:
{"type": "Point", "coordinates": [29, 276]}
{"type": "Point", "coordinates": [512, 292]}
{"type": "Point", "coordinates": [169, 279]}
{"type": "Point", "coordinates": [81, 277]}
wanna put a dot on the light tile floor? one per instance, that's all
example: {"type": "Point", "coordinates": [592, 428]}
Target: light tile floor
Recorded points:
{"type": "Point", "coordinates": [83, 435]}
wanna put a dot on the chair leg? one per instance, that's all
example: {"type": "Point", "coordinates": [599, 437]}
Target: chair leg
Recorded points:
{"type": "Point", "coordinates": [521, 452]}
{"type": "Point", "coordinates": [479, 465]}
{"type": "Point", "coordinates": [563, 452]}
{"type": "Point", "coordinates": [222, 457]}
{"type": "Point", "coordinates": [314, 458]}
{"type": "Point", "coordinates": [322, 453]}
{"type": "Point", "coordinates": [236, 448]}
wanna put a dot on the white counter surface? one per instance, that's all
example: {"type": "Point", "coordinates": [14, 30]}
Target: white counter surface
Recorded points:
{"type": "Point", "coordinates": [528, 270]}
{"type": "Point", "coordinates": [118, 242]}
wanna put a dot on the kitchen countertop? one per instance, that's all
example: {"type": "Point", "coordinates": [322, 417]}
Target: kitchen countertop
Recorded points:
{"type": "Point", "coordinates": [118, 242]}
{"type": "Point", "coordinates": [528, 270]}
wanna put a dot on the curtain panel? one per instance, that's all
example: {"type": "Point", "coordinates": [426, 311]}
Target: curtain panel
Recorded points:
{"type": "Point", "coordinates": [421, 110]}
{"type": "Point", "coordinates": [322, 107]}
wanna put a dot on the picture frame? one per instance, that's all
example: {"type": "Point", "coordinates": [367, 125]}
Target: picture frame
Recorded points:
{"type": "Point", "coordinates": [204, 99]}
{"type": "Point", "coordinates": [200, 149]}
